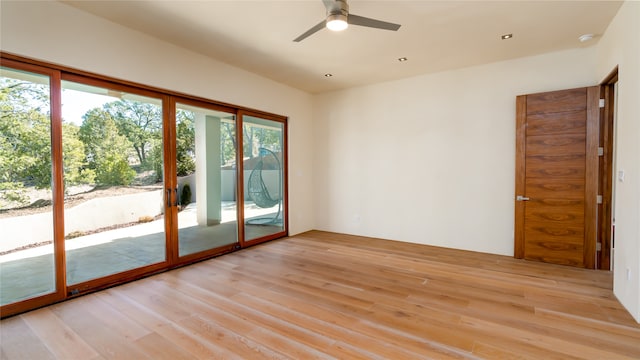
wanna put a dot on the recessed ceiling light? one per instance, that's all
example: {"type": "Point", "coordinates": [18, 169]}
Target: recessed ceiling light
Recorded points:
{"type": "Point", "coordinates": [585, 37]}
{"type": "Point", "coordinates": [506, 36]}
{"type": "Point", "coordinates": [328, 75]}
{"type": "Point", "coordinates": [402, 59]}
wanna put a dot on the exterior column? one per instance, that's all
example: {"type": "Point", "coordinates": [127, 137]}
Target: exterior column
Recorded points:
{"type": "Point", "coordinates": [208, 174]}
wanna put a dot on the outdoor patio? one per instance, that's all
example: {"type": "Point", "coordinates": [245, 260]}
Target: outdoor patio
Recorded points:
{"type": "Point", "coordinates": [29, 272]}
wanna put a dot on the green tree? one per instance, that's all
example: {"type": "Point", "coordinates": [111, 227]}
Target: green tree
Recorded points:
{"type": "Point", "coordinates": [228, 142]}
{"type": "Point", "coordinates": [185, 142]}
{"type": "Point", "coordinates": [248, 141]}
{"type": "Point", "coordinates": [185, 146]}
{"type": "Point", "coordinates": [25, 141]}
{"type": "Point", "coordinates": [140, 123]}
{"type": "Point", "coordinates": [269, 138]}
{"type": "Point", "coordinates": [256, 137]}
{"type": "Point", "coordinates": [74, 158]}
{"type": "Point", "coordinates": [156, 159]}
{"type": "Point", "coordinates": [107, 151]}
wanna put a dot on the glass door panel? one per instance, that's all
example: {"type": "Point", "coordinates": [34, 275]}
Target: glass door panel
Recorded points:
{"type": "Point", "coordinates": [263, 177]}
{"type": "Point", "coordinates": [27, 261]}
{"type": "Point", "coordinates": [113, 173]}
{"type": "Point", "coordinates": [205, 165]}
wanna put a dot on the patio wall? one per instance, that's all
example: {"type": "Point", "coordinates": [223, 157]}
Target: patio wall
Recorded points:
{"type": "Point", "coordinates": [93, 214]}
{"type": "Point", "coordinates": [102, 212]}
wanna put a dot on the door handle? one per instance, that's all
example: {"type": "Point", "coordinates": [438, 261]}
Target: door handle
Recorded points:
{"type": "Point", "coordinates": [522, 198]}
{"type": "Point", "coordinates": [168, 197]}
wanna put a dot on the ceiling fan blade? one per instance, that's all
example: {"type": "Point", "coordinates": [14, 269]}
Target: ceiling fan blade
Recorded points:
{"type": "Point", "coordinates": [311, 31]}
{"type": "Point", "coordinates": [373, 23]}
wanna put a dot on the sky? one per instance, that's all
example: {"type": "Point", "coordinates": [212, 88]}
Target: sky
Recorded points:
{"type": "Point", "coordinates": [76, 103]}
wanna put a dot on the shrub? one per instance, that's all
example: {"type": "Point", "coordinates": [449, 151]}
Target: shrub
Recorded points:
{"type": "Point", "coordinates": [185, 197]}
{"type": "Point", "coordinates": [114, 170]}
{"type": "Point", "coordinates": [145, 219]}
{"type": "Point", "coordinates": [186, 166]}
{"type": "Point", "coordinates": [13, 193]}
{"type": "Point", "coordinates": [75, 234]}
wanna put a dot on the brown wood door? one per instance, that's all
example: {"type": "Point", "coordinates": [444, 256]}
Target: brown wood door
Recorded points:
{"type": "Point", "coordinates": [557, 176]}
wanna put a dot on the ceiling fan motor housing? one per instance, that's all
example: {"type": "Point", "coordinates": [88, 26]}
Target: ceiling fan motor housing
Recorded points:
{"type": "Point", "coordinates": [339, 7]}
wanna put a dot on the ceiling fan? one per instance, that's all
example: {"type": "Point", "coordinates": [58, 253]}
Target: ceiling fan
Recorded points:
{"type": "Point", "coordinates": [338, 19]}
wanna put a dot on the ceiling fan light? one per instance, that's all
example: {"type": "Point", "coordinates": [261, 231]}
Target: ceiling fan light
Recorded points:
{"type": "Point", "coordinates": [337, 22]}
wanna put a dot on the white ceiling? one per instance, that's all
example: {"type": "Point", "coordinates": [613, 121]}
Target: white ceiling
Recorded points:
{"type": "Point", "coordinates": [435, 35]}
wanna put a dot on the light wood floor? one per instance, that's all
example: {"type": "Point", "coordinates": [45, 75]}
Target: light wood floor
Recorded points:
{"type": "Point", "coordinates": [323, 295]}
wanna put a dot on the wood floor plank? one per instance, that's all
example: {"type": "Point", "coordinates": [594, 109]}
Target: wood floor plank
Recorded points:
{"type": "Point", "coordinates": [211, 321]}
{"type": "Point", "coordinates": [509, 349]}
{"type": "Point", "coordinates": [158, 347]}
{"type": "Point", "coordinates": [322, 295]}
{"type": "Point", "coordinates": [602, 333]}
{"type": "Point", "coordinates": [27, 346]}
{"type": "Point", "coordinates": [390, 335]}
{"type": "Point", "coordinates": [109, 344]}
{"type": "Point", "coordinates": [337, 325]}
{"type": "Point", "coordinates": [358, 344]}
{"type": "Point", "coordinates": [224, 329]}
{"type": "Point", "coordinates": [553, 344]}
{"type": "Point", "coordinates": [111, 318]}
{"type": "Point", "coordinates": [263, 325]}
{"type": "Point", "coordinates": [57, 336]}
{"type": "Point", "coordinates": [197, 347]}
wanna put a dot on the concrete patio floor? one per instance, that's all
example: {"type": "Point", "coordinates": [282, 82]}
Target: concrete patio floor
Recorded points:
{"type": "Point", "coordinates": [30, 272]}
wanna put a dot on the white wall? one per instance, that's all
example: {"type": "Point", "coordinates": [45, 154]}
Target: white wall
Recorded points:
{"type": "Point", "coordinates": [57, 33]}
{"type": "Point", "coordinates": [431, 159]}
{"type": "Point", "coordinates": [620, 46]}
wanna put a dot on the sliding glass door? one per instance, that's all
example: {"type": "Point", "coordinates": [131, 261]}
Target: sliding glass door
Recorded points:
{"type": "Point", "coordinates": [264, 178]}
{"type": "Point", "coordinates": [205, 156]}
{"type": "Point", "coordinates": [103, 182]}
{"type": "Point", "coordinates": [113, 175]}
{"type": "Point", "coordinates": [29, 265]}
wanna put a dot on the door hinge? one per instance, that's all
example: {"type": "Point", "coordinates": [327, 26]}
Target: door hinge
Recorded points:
{"type": "Point", "coordinates": [598, 246]}
{"type": "Point", "coordinates": [599, 199]}
{"type": "Point", "coordinates": [600, 151]}
{"type": "Point", "coordinates": [601, 103]}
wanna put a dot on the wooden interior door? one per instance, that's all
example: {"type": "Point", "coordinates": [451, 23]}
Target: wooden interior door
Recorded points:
{"type": "Point", "coordinates": [557, 176]}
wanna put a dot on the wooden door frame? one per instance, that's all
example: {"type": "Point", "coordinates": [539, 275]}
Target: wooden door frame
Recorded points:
{"type": "Point", "coordinates": [591, 176]}
{"type": "Point", "coordinates": [605, 175]}
{"type": "Point", "coordinates": [170, 179]}
{"type": "Point", "coordinates": [521, 132]}
{"type": "Point", "coordinates": [177, 259]}
{"type": "Point", "coordinates": [57, 190]}
{"type": "Point", "coordinates": [285, 176]}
